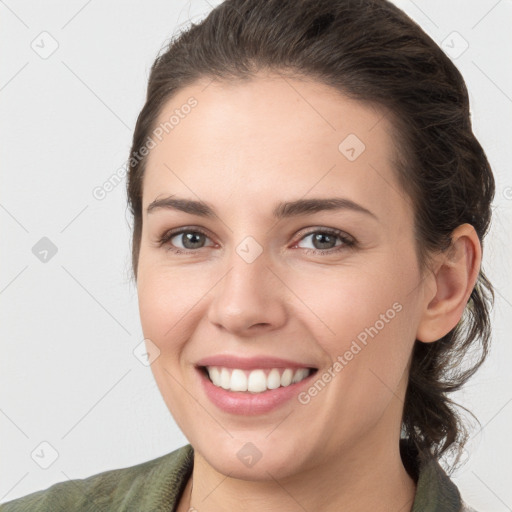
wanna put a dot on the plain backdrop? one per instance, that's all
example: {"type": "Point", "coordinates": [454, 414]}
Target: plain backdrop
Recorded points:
{"type": "Point", "coordinates": [75, 399]}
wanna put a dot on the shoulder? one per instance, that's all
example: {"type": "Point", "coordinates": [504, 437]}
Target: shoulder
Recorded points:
{"type": "Point", "coordinates": [438, 490]}
{"type": "Point", "coordinates": [435, 490]}
{"type": "Point", "coordinates": [152, 485]}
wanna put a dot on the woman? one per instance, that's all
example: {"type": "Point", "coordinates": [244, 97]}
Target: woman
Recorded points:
{"type": "Point", "coordinates": [309, 209]}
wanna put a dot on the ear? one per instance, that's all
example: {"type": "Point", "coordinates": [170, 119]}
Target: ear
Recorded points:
{"type": "Point", "coordinates": [450, 285]}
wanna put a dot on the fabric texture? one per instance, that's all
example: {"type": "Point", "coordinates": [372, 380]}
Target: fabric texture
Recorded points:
{"type": "Point", "coordinates": [157, 485]}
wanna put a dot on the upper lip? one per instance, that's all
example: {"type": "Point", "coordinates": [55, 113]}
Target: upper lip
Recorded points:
{"type": "Point", "coordinates": [250, 363]}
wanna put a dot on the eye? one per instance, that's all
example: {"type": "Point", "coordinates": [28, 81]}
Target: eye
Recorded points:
{"type": "Point", "coordinates": [190, 239]}
{"type": "Point", "coordinates": [325, 241]}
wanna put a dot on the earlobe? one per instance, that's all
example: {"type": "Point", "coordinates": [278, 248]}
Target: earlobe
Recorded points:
{"type": "Point", "coordinates": [456, 273]}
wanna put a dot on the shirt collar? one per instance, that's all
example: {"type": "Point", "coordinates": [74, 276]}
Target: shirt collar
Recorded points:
{"type": "Point", "coordinates": [435, 492]}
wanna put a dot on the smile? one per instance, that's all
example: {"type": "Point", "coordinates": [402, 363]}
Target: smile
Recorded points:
{"type": "Point", "coordinates": [255, 381]}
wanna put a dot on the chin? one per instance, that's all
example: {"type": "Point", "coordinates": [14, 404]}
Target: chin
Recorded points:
{"type": "Point", "coordinates": [257, 460]}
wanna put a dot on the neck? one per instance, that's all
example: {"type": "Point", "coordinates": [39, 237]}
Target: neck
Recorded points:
{"type": "Point", "coordinates": [369, 477]}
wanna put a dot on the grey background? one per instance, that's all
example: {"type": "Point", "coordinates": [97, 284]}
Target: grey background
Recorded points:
{"type": "Point", "coordinates": [69, 319]}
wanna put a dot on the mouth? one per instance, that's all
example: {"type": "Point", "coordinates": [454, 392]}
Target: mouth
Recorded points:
{"type": "Point", "coordinates": [255, 381]}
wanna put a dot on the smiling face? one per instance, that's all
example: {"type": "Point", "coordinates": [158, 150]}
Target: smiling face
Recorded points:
{"type": "Point", "coordinates": [267, 268]}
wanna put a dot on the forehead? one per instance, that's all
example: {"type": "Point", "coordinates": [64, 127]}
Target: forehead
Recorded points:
{"type": "Point", "coordinates": [270, 137]}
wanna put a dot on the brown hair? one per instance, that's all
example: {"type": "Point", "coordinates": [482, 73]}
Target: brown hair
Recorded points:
{"type": "Point", "coordinates": [371, 51]}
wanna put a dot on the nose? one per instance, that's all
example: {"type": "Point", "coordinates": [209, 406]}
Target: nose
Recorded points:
{"type": "Point", "coordinates": [250, 299]}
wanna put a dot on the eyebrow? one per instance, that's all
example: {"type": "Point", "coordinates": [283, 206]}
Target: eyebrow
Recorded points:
{"type": "Point", "coordinates": [280, 211]}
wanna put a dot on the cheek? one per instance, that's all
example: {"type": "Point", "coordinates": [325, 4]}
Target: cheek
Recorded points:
{"type": "Point", "coordinates": [364, 322]}
{"type": "Point", "coordinates": [343, 301]}
{"type": "Point", "coordinates": [169, 305]}
{"type": "Point", "coordinates": [366, 317]}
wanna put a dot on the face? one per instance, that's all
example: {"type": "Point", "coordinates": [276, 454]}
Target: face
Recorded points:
{"type": "Point", "coordinates": [266, 274]}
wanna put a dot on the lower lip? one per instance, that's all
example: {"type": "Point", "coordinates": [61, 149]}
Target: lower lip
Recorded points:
{"type": "Point", "coordinates": [250, 404]}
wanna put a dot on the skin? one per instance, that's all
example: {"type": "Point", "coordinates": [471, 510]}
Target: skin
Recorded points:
{"type": "Point", "coordinates": [245, 147]}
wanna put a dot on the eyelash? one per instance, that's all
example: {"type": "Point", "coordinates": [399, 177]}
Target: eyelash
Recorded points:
{"type": "Point", "coordinates": [348, 242]}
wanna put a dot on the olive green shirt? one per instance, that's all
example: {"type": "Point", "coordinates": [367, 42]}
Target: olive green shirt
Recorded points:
{"type": "Point", "coordinates": [157, 485]}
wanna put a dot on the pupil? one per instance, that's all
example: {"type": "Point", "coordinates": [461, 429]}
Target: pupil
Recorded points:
{"type": "Point", "coordinates": [320, 238]}
{"type": "Point", "coordinates": [192, 239]}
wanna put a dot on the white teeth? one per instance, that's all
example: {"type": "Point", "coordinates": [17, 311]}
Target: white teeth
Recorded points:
{"type": "Point", "coordinates": [286, 378]}
{"type": "Point", "coordinates": [273, 379]}
{"type": "Point", "coordinates": [225, 378]}
{"type": "Point", "coordinates": [300, 374]}
{"type": "Point", "coordinates": [238, 381]}
{"type": "Point", "coordinates": [215, 375]}
{"type": "Point", "coordinates": [255, 381]}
